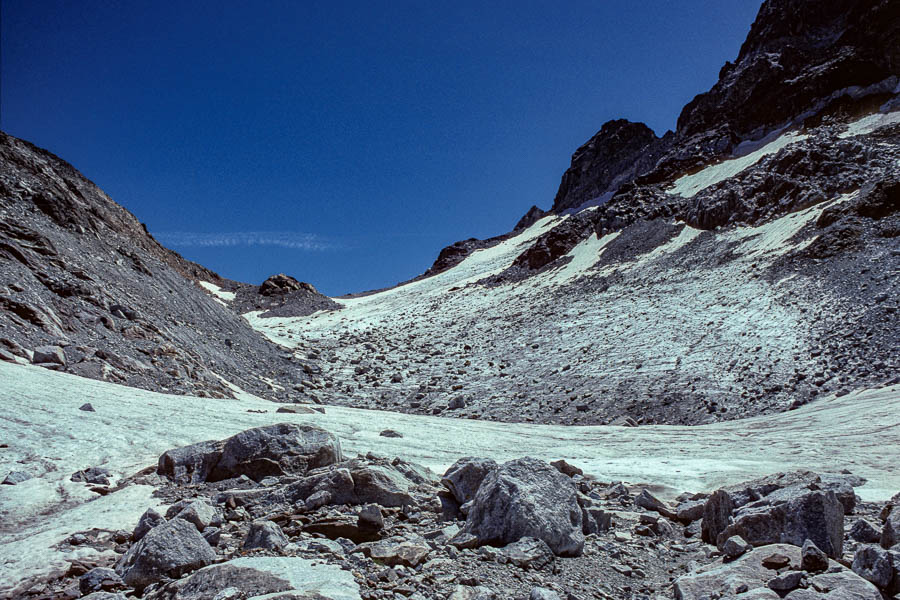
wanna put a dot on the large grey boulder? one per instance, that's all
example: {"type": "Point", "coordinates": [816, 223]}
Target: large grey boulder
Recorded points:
{"type": "Point", "coordinates": [749, 576]}
{"type": "Point", "coordinates": [791, 516]}
{"type": "Point", "coordinates": [874, 564]}
{"type": "Point", "coordinates": [190, 464]}
{"type": "Point", "coordinates": [274, 450]}
{"type": "Point", "coordinates": [49, 354]}
{"type": "Point", "coordinates": [168, 550]}
{"type": "Point", "coordinates": [527, 498]}
{"type": "Point", "coordinates": [464, 477]}
{"type": "Point", "coordinates": [841, 484]}
{"type": "Point", "coordinates": [265, 534]}
{"type": "Point", "coordinates": [337, 484]}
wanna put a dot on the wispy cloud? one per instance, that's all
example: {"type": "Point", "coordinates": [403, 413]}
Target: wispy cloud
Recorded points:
{"type": "Point", "coordinates": [284, 239]}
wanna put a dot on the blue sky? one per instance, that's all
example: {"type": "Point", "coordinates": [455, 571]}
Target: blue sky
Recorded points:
{"type": "Point", "coordinates": [344, 143]}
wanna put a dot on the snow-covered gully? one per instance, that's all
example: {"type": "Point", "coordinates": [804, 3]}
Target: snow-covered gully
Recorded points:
{"type": "Point", "coordinates": [48, 436]}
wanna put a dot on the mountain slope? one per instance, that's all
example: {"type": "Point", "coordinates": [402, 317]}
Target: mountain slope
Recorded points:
{"type": "Point", "coordinates": [80, 273]}
{"type": "Point", "coordinates": [744, 264]}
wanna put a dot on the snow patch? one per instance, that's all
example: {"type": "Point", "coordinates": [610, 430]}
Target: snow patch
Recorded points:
{"type": "Point", "coordinates": [132, 427]}
{"type": "Point", "coordinates": [217, 291]}
{"type": "Point", "coordinates": [774, 238]}
{"type": "Point", "coordinates": [584, 256]}
{"type": "Point", "coordinates": [871, 123]}
{"type": "Point", "coordinates": [690, 185]}
{"type": "Point", "coordinates": [305, 576]}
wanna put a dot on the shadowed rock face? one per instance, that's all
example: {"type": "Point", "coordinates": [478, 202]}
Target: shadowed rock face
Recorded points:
{"type": "Point", "coordinates": [797, 54]}
{"type": "Point", "coordinates": [617, 153]}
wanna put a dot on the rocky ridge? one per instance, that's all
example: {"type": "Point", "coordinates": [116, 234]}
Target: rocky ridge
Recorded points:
{"type": "Point", "coordinates": [85, 289]}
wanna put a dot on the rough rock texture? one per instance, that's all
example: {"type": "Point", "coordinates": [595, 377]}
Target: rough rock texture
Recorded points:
{"type": "Point", "coordinates": [749, 573]}
{"type": "Point", "coordinates": [616, 154]}
{"type": "Point", "coordinates": [284, 448]}
{"type": "Point", "coordinates": [527, 498]}
{"type": "Point", "coordinates": [169, 550]}
{"type": "Point", "coordinates": [464, 477]}
{"type": "Point", "coordinates": [209, 581]}
{"type": "Point", "coordinates": [792, 515]}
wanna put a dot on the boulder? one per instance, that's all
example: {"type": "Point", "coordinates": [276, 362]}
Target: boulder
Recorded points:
{"type": "Point", "coordinates": [873, 563]}
{"type": "Point", "coordinates": [275, 450]}
{"type": "Point", "coordinates": [409, 553]}
{"type": "Point", "coordinates": [382, 485]}
{"type": "Point", "coordinates": [100, 579]}
{"type": "Point", "coordinates": [716, 516]}
{"type": "Point", "coordinates": [539, 593]}
{"type": "Point", "coordinates": [168, 550]}
{"type": "Point", "coordinates": [148, 521]}
{"type": "Point", "coordinates": [863, 531]}
{"type": "Point", "coordinates": [190, 464]}
{"type": "Point", "coordinates": [265, 534]}
{"type": "Point", "coordinates": [274, 578]}
{"type": "Point", "coordinates": [337, 483]}
{"type": "Point", "coordinates": [735, 546]}
{"type": "Point", "coordinates": [464, 477]}
{"type": "Point", "coordinates": [479, 592]}
{"type": "Point", "coordinates": [527, 498]}
{"type": "Point", "coordinates": [791, 516]}
{"type": "Point", "coordinates": [199, 512]}
{"type": "Point", "coordinates": [370, 517]}
{"type": "Point", "coordinates": [647, 500]}
{"type": "Point", "coordinates": [527, 553]}
{"type": "Point", "coordinates": [15, 478]}
{"type": "Point", "coordinates": [206, 583]}
{"type": "Point", "coordinates": [49, 354]}
{"type": "Point", "coordinates": [812, 558]}
{"type": "Point", "coordinates": [690, 511]}
{"type": "Point", "coordinates": [890, 533]}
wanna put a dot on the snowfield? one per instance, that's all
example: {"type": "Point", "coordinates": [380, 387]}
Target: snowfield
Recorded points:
{"type": "Point", "coordinates": [50, 438]}
{"type": "Point", "coordinates": [689, 319]}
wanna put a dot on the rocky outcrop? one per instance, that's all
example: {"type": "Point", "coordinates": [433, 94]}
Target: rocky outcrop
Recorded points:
{"type": "Point", "coordinates": [771, 571]}
{"type": "Point", "coordinates": [615, 155]}
{"type": "Point", "coordinates": [798, 55]}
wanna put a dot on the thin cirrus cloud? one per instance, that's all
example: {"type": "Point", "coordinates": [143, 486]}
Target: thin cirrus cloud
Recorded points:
{"type": "Point", "coordinates": [283, 239]}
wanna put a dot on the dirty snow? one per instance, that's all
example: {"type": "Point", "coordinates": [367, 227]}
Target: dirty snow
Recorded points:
{"type": "Point", "coordinates": [217, 291]}
{"type": "Point", "coordinates": [871, 123]}
{"type": "Point", "coordinates": [690, 185]}
{"type": "Point", "coordinates": [306, 576]}
{"type": "Point", "coordinates": [50, 438]}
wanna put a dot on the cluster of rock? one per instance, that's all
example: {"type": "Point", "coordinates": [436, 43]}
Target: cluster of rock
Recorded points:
{"type": "Point", "coordinates": [279, 296]}
{"type": "Point", "coordinates": [246, 511]}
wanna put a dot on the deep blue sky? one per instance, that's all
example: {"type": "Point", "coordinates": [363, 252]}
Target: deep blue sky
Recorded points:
{"type": "Point", "coordinates": [344, 143]}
